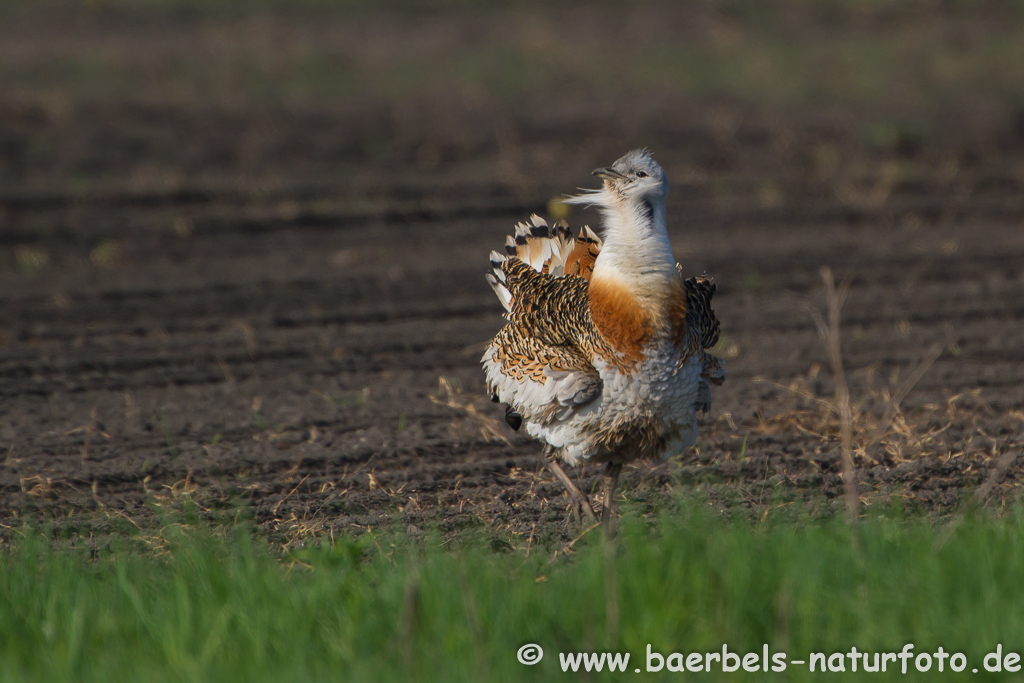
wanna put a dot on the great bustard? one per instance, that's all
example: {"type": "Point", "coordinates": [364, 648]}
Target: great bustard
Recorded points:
{"type": "Point", "coordinates": [603, 355]}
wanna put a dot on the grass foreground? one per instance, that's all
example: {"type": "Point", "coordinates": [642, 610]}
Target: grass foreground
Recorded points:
{"type": "Point", "coordinates": [229, 606]}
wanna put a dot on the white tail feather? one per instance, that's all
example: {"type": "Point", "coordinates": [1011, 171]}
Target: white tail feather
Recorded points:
{"type": "Point", "coordinates": [546, 249]}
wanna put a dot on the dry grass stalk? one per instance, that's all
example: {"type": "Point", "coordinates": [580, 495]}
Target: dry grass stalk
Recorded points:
{"type": "Point", "coordinates": [611, 590]}
{"type": "Point", "coordinates": [874, 428]}
{"type": "Point", "coordinates": [834, 299]}
{"type": "Point", "coordinates": [410, 619]}
{"type": "Point", "coordinates": [983, 493]}
{"type": "Point", "coordinates": [474, 624]}
{"type": "Point", "coordinates": [479, 425]}
{"type": "Point", "coordinates": [981, 496]}
{"type": "Point", "coordinates": [892, 410]}
{"type": "Point", "coordinates": [891, 439]}
{"type": "Point", "coordinates": [278, 504]}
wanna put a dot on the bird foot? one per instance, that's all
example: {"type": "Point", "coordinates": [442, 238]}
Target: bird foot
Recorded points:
{"type": "Point", "coordinates": [611, 478]}
{"type": "Point", "coordinates": [581, 513]}
{"type": "Point", "coordinates": [580, 503]}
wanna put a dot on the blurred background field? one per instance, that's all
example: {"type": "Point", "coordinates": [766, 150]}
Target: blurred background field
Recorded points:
{"type": "Point", "coordinates": [310, 85]}
{"type": "Point", "coordinates": [877, 57]}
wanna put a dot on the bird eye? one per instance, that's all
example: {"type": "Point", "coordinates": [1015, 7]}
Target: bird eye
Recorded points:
{"type": "Point", "coordinates": [641, 174]}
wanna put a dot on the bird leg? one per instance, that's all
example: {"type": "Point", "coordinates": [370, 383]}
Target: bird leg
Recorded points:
{"type": "Point", "coordinates": [579, 499]}
{"type": "Point", "coordinates": [611, 478]}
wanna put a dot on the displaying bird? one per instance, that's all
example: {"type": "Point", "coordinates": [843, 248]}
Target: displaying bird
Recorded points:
{"type": "Point", "coordinates": [603, 356]}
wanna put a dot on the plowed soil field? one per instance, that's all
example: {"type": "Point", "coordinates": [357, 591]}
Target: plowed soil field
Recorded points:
{"type": "Point", "coordinates": [278, 313]}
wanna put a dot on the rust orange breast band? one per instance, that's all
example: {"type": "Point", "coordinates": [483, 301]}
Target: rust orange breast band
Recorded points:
{"type": "Point", "coordinates": [624, 322]}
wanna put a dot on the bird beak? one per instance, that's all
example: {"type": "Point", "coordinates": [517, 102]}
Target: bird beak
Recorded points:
{"type": "Point", "coordinates": [607, 173]}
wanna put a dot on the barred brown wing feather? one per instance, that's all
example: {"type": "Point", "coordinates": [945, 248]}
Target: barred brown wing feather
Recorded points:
{"type": "Point", "coordinates": [537, 363]}
{"type": "Point", "coordinates": [700, 318]}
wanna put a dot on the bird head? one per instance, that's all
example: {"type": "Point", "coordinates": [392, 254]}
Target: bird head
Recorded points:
{"type": "Point", "coordinates": [635, 179]}
{"type": "Point", "coordinates": [635, 175]}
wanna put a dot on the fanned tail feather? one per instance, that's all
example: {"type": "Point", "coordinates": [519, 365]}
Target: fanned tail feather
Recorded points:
{"type": "Point", "coordinates": [496, 278]}
{"type": "Point", "coordinates": [549, 250]}
{"type": "Point", "coordinates": [700, 318]}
